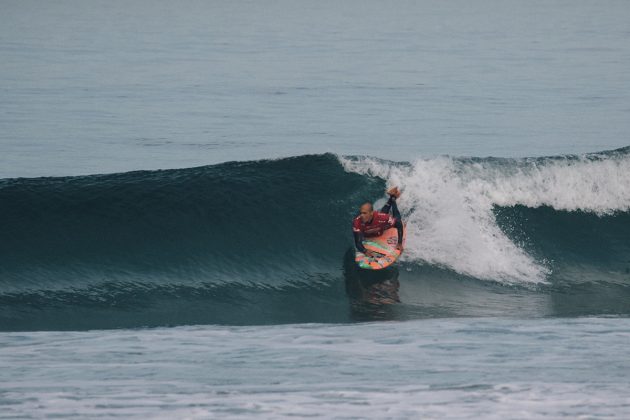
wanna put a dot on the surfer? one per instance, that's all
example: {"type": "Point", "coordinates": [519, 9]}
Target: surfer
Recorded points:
{"type": "Point", "coordinates": [370, 223]}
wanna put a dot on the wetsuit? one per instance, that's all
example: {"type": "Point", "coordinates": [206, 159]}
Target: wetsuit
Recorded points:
{"type": "Point", "coordinates": [380, 222]}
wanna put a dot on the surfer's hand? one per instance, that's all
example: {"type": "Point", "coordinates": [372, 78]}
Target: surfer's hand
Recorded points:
{"type": "Point", "coordinates": [394, 192]}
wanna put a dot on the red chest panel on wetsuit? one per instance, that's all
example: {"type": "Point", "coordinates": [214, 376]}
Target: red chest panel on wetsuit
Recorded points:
{"type": "Point", "coordinates": [379, 223]}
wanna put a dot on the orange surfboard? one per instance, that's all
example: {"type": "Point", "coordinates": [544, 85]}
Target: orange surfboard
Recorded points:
{"type": "Point", "coordinates": [384, 247]}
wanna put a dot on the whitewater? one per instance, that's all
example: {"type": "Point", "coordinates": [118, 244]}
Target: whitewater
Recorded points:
{"type": "Point", "coordinates": [178, 180]}
{"type": "Point", "coordinates": [429, 369]}
{"type": "Point", "coordinates": [450, 204]}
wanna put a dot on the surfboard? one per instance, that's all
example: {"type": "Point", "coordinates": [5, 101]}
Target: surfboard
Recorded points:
{"type": "Point", "coordinates": [384, 247]}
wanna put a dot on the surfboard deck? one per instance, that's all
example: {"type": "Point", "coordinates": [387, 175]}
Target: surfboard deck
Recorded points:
{"type": "Point", "coordinates": [385, 248]}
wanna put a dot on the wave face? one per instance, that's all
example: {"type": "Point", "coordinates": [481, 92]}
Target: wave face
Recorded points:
{"type": "Point", "coordinates": [269, 242]}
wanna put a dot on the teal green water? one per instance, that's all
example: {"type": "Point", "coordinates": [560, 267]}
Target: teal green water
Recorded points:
{"type": "Point", "coordinates": [137, 274]}
{"type": "Point", "coordinates": [181, 247]}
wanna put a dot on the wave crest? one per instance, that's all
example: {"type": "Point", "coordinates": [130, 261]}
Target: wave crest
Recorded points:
{"type": "Point", "coordinates": [449, 205]}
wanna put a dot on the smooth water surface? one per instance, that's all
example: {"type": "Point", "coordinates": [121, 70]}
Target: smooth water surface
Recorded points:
{"type": "Point", "coordinates": [109, 86]}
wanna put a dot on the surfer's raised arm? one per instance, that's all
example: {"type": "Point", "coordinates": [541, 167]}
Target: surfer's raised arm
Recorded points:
{"type": "Point", "coordinates": [394, 193]}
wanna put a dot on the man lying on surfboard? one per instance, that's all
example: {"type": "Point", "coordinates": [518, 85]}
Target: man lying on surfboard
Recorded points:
{"type": "Point", "coordinates": [370, 223]}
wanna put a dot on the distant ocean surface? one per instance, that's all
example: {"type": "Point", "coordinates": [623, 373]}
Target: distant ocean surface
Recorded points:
{"type": "Point", "coordinates": [177, 181]}
{"type": "Point", "coordinates": [112, 86]}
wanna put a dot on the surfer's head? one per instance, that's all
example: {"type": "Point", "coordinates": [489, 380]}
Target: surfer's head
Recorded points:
{"type": "Point", "coordinates": [366, 212]}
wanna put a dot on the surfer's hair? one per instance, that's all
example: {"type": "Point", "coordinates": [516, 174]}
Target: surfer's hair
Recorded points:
{"type": "Point", "coordinates": [369, 203]}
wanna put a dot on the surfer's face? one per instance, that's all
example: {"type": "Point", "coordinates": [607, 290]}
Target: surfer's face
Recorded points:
{"type": "Point", "coordinates": [366, 213]}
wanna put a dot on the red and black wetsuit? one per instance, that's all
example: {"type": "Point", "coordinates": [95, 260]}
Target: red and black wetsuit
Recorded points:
{"type": "Point", "coordinates": [380, 222]}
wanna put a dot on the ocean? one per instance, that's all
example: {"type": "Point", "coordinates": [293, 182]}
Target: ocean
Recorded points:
{"type": "Point", "coordinates": [178, 181]}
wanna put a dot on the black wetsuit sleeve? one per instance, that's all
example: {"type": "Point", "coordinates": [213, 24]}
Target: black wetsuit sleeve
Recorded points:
{"type": "Point", "coordinates": [358, 241]}
{"type": "Point", "coordinates": [395, 211]}
{"type": "Point", "coordinates": [388, 205]}
{"type": "Point", "coordinates": [399, 228]}
{"type": "Point", "coordinates": [391, 204]}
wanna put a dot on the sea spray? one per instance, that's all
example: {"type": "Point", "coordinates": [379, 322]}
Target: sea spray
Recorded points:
{"type": "Point", "coordinates": [449, 204]}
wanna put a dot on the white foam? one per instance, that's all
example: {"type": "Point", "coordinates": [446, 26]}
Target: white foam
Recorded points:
{"type": "Point", "coordinates": [441, 368]}
{"type": "Point", "coordinates": [448, 205]}
{"type": "Point", "coordinates": [592, 185]}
